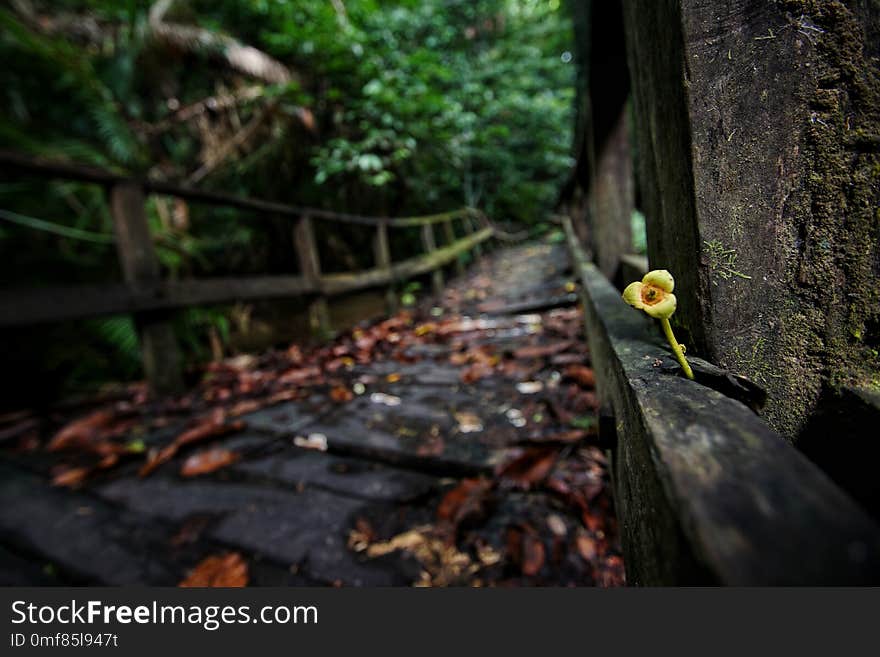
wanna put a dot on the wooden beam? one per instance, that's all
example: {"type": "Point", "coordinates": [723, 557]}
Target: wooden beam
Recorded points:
{"type": "Point", "coordinates": [471, 223]}
{"type": "Point", "coordinates": [449, 238]}
{"type": "Point", "coordinates": [333, 284]}
{"type": "Point", "coordinates": [310, 266]}
{"type": "Point", "coordinates": [611, 199]}
{"type": "Point", "coordinates": [382, 256]}
{"type": "Point", "coordinates": [23, 307]}
{"type": "Point", "coordinates": [140, 269]}
{"type": "Point", "coordinates": [16, 164]}
{"type": "Point", "coordinates": [430, 246]}
{"type": "Point", "coordinates": [632, 267]}
{"type": "Point", "coordinates": [706, 492]}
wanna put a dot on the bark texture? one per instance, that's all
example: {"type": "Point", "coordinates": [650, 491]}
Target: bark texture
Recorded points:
{"type": "Point", "coordinates": [758, 128]}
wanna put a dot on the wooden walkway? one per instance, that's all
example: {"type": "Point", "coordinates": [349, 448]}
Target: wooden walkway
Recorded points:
{"type": "Point", "coordinates": [453, 445]}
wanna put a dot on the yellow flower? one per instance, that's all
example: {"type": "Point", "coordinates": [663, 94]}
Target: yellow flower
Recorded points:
{"type": "Point", "coordinates": [653, 294]}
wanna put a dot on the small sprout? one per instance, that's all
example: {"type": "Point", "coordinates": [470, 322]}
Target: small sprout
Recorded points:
{"type": "Point", "coordinates": [654, 295]}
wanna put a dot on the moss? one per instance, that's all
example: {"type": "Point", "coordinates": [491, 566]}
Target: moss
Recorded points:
{"type": "Point", "coordinates": [837, 267]}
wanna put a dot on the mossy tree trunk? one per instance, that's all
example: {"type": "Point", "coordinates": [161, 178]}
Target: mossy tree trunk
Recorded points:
{"type": "Point", "coordinates": [757, 130]}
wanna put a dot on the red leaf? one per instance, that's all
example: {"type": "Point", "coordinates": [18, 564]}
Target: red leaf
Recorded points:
{"type": "Point", "coordinates": [71, 477]}
{"type": "Point", "coordinates": [533, 554]}
{"type": "Point", "coordinates": [228, 570]}
{"type": "Point", "coordinates": [341, 394]}
{"type": "Point", "coordinates": [207, 461]}
{"type": "Point", "coordinates": [526, 549]}
{"type": "Point", "coordinates": [586, 546]}
{"type": "Point", "coordinates": [210, 428]}
{"type": "Point", "coordinates": [465, 501]}
{"type": "Point", "coordinates": [81, 432]}
{"type": "Point", "coordinates": [529, 468]}
{"type": "Point", "coordinates": [582, 374]}
{"type": "Point", "coordinates": [540, 351]}
{"type": "Point", "coordinates": [476, 372]}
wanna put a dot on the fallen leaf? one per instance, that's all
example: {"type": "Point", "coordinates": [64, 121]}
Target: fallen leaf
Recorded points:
{"type": "Point", "coordinates": [207, 461]}
{"type": "Point", "coordinates": [468, 422]}
{"type": "Point", "coordinates": [227, 570]}
{"type": "Point", "coordinates": [525, 548]}
{"type": "Point", "coordinates": [533, 554]}
{"type": "Point", "coordinates": [541, 351]}
{"type": "Point", "coordinates": [582, 374]}
{"type": "Point", "coordinates": [476, 372]}
{"type": "Point", "coordinates": [316, 441]}
{"type": "Point", "coordinates": [530, 468]}
{"type": "Point", "coordinates": [71, 477]}
{"type": "Point", "coordinates": [212, 427]}
{"type": "Point", "coordinates": [465, 502]}
{"type": "Point", "coordinates": [80, 433]}
{"type": "Point", "coordinates": [341, 394]}
{"type": "Point", "coordinates": [586, 546]}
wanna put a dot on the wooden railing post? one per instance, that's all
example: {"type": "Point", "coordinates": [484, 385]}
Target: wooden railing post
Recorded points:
{"type": "Point", "coordinates": [382, 254]}
{"type": "Point", "coordinates": [140, 269]}
{"type": "Point", "coordinates": [449, 235]}
{"type": "Point", "coordinates": [430, 246]}
{"type": "Point", "coordinates": [310, 266]}
{"type": "Point", "coordinates": [471, 224]}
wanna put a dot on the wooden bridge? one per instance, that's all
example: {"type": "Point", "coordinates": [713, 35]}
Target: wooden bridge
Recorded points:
{"type": "Point", "coordinates": [499, 434]}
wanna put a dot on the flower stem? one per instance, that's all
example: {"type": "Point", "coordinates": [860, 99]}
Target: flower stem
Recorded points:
{"type": "Point", "coordinates": [676, 348]}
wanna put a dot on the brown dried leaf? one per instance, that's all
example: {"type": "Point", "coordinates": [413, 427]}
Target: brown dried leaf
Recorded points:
{"type": "Point", "coordinates": [530, 468]}
{"type": "Point", "coordinates": [586, 546]}
{"type": "Point", "coordinates": [533, 554]}
{"type": "Point", "coordinates": [208, 461]}
{"type": "Point", "coordinates": [341, 394]}
{"type": "Point", "coordinates": [464, 502]}
{"type": "Point", "coordinates": [582, 374]}
{"type": "Point", "coordinates": [81, 432]}
{"type": "Point", "coordinates": [71, 477]}
{"type": "Point", "coordinates": [227, 570]}
{"type": "Point", "coordinates": [541, 351]}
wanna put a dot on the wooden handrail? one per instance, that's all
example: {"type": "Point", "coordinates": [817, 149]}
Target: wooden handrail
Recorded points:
{"type": "Point", "coordinates": [11, 162]}
{"type": "Point", "coordinates": [149, 298]}
{"type": "Point", "coordinates": [706, 492]}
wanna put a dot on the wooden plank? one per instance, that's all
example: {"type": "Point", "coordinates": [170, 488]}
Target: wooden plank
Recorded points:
{"type": "Point", "coordinates": [382, 255]}
{"type": "Point", "coordinates": [22, 307]}
{"type": "Point", "coordinates": [333, 284]}
{"type": "Point", "coordinates": [429, 244]}
{"type": "Point", "coordinates": [140, 269]}
{"type": "Point", "coordinates": [471, 223]}
{"type": "Point", "coordinates": [633, 267]}
{"type": "Point", "coordinates": [706, 492]}
{"type": "Point", "coordinates": [17, 164]}
{"type": "Point", "coordinates": [612, 200]}
{"type": "Point", "coordinates": [310, 266]}
{"type": "Point", "coordinates": [449, 237]}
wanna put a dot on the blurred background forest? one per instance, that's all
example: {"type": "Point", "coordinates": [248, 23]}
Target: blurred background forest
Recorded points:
{"type": "Point", "coordinates": [367, 106]}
